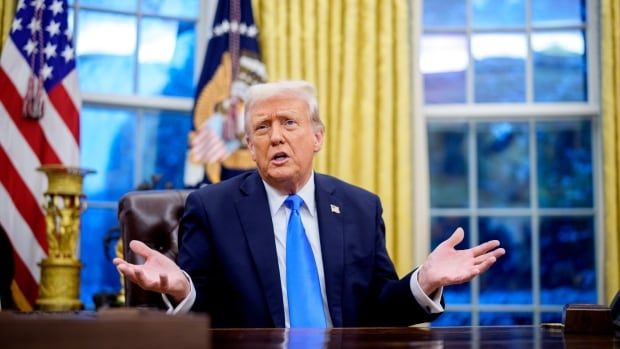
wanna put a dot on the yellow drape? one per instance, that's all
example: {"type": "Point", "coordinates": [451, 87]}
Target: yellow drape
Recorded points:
{"type": "Point", "coordinates": [7, 11]}
{"type": "Point", "coordinates": [610, 71]}
{"type": "Point", "coordinates": [356, 52]}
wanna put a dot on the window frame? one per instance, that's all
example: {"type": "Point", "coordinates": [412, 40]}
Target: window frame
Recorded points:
{"type": "Point", "coordinates": [530, 112]}
{"type": "Point", "coordinates": [141, 104]}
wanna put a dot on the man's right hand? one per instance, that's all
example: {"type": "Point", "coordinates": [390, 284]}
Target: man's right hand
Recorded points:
{"type": "Point", "coordinates": [158, 273]}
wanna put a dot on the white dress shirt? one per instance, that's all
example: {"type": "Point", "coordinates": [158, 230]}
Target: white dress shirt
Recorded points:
{"type": "Point", "coordinates": [279, 217]}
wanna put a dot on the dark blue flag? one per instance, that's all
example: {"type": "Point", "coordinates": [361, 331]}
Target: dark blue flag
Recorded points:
{"type": "Point", "coordinates": [232, 64]}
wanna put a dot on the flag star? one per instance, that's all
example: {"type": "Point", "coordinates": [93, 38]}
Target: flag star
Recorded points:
{"type": "Point", "coordinates": [30, 47]}
{"type": "Point", "coordinates": [38, 4]}
{"type": "Point", "coordinates": [53, 28]}
{"type": "Point", "coordinates": [56, 7]}
{"type": "Point", "coordinates": [49, 50]}
{"type": "Point", "coordinates": [17, 25]}
{"type": "Point", "coordinates": [234, 26]}
{"type": "Point", "coordinates": [252, 31]}
{"type": "Point", "coordinates": [34, 25]}
{"type": "Point", "coordinates": [46, 71]}
{"type": "Point", "coordinates": [68, 34]}
{"type": "Point", "coordinates": [225, 26]}
{"type": "Point", "coordinates": [67, 53]}
{"type": "Point", "coordinates": [20, 5]}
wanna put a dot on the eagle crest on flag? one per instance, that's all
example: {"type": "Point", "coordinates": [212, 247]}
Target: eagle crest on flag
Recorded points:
{"type": "Point", "coordinates": [232, 64]}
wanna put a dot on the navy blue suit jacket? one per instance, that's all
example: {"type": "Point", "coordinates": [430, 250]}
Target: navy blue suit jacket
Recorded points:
{"type": "Point", "coordinates": [227, 246]}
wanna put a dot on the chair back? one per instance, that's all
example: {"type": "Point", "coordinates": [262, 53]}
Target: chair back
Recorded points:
{"type": "Point", "coordinates": [152, 217]}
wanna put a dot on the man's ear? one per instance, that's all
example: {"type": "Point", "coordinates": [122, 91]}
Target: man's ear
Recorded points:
{"type": "Point", "coordinates": [318, 140]}
{"type": "Point", "coordinates": [250, 146]}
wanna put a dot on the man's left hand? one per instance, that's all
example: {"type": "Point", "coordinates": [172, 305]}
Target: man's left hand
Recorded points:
{"type": "Point", "coordinates": [447, 266]}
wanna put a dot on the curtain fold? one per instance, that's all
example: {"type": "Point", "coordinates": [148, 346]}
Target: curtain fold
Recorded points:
{"type": "Point", "coordinates": [7, 11]}
{"type": "Point", "coordinates": [356, 53]}
{"type": "Point", "coordinates": [610, 72]}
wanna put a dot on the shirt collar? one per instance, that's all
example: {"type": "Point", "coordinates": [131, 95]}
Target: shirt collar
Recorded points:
{"type": "Point", "coordinates": [276, 200]}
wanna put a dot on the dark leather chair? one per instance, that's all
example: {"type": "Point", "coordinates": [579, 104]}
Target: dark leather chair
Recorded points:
{"type": "Point", "coordinates": [153, 218]}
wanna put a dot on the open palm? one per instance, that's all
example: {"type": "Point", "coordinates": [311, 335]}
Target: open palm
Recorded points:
{"type": "Point", "coordinates": [446, 265]}
{"type": "Point", "coordinates": [158, 273]}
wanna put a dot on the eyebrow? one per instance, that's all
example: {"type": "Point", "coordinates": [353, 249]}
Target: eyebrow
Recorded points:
{"type": "Point", "coordinates": [277, 114]}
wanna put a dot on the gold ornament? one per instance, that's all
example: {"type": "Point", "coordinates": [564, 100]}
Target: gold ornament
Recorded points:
{"type": "Point", "coordinates": [59, 289]}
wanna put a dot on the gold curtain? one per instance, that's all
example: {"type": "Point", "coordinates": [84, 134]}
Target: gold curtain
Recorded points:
{"type": "Point", "coordinates": [610, 72]}
{"type": "Point", "coordinates": [7, 11]}
{"type": "Point", "coordinates": [357, 55]}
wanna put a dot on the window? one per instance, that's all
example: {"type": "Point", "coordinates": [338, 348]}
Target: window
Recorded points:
{"type": "Point", "coordinates": [137, 65]}
{"type": "Point", "coordinates": [513, 129]}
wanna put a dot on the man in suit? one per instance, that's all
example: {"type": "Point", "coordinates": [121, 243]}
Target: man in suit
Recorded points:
{"type": "Point", "coordinates": [284, 246]}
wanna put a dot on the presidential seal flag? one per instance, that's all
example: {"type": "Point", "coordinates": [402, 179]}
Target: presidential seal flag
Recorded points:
{"type": "Point", "coordinates": [232, 64]}
{"type": "Point", "coordinates": [39, 124]}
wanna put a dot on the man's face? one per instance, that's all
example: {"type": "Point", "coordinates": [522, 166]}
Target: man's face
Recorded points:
{"type": "Point", "coordinates": [283, 141]}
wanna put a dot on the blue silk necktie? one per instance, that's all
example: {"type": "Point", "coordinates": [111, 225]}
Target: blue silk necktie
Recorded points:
{"type": "Point", "coordinates": [305, 303]}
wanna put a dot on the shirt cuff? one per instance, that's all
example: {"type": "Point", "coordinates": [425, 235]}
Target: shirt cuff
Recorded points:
{"type": "Point", "coordinates": [430, 305]}
{"type": "Point", "coordinates": [186, 304]}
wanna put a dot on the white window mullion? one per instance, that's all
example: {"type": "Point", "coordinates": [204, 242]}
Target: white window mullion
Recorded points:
{"type": "Point", "coordinates": [598, 202]}
{"type": "Point", "coordinates": [503, 111]}
{"type": "Point", "coordinates": [593, 51]}
{"type": "Point", "coordinates": [473, 218]}
{"type": "Point", "coordinates": [136, 56]}
{"type": "Point", "coordinates": [535, 221]}
{"type": "Point", "coordinates": [469, 76]}
{"type": "Point", "coordinates": [529, 63]}
{"type": "Point", "coordinates": [150, 102]}
{"type": "Point", "coordinates": [138, 149]}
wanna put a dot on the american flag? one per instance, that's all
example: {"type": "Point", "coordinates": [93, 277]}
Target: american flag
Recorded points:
{"type": "Point", "coordinates": [39, 124]}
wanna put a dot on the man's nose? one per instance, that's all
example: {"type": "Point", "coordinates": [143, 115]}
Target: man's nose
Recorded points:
{"type": "Point", "coordinates": [276, 133]}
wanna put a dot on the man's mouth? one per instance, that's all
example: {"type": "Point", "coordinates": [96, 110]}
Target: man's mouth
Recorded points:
{"type": "Point", "coordinates": [279, 157]}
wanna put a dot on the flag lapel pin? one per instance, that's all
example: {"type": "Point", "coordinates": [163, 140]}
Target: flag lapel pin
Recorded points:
{"type": "Point", "coordinates": [334, 208]}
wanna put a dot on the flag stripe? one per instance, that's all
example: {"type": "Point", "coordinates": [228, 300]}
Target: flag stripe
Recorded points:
{"type": "Point", "coordinates": [13, 62]}
{"type": "Point", "coordinates": [71, 84]}
{"type": "Point", "coordinates": [20, 235]}
{"type": "Point", "coordinates": [66, 110]}
{"type": "Point", "coordinates": [210, 154]}
{"type": "Point", "coordinates": [30, 129]}
{"type": "Point", "coordinates": [61, 132]}
{"type": "Point", "coordinates": [26, 283]}
{"type": "Point", "coordinates": [26, 204]}
{"type": "Point", "coordinates": [208, 146]}
{"type": "Point", "coordinates": [60, 138]}
{"type": "Point", "coordinates": [18, 298]}
{"type": "Point", "coordinates": [23, 158]}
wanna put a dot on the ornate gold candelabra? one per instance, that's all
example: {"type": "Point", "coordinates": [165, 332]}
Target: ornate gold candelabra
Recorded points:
{"type": "Point", "coordinates": [119, 253]}
{"type": "Point", "coordinates": [59, 289]}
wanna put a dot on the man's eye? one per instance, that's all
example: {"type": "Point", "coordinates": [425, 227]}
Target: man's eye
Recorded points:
{"type": "Point", "coordinates": [290, 122]}
{"type": "Point", "coordinates": [260, 128]}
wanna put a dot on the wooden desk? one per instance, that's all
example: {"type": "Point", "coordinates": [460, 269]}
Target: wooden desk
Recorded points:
{"type": "Point", "coordinates": [443, 337]}
{"type": "Point", "coordinates": [136, 329]}
{"type": "Point", "coordinates": [120, 328]}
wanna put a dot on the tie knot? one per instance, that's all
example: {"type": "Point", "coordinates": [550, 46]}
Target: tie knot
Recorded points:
{"type": "Point", "coordinates": [294, 202]}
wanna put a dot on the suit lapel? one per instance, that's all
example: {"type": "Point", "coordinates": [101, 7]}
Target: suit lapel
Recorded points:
{"type": "Point", "coordinates": [331, 231]}
{"type": "Point", "coordinates": [255, 216]}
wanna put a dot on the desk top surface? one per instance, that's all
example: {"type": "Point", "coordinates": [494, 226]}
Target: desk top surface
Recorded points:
{"type": "Point", "coordinates": [154, 330]}
{"type": "Point", "coordinates": [437, 337]}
